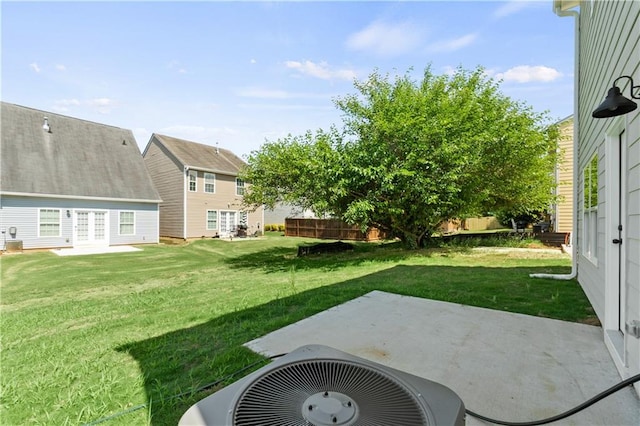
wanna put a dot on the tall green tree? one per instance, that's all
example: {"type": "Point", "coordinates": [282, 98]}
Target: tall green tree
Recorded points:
{"type": "Point", "coordinates": [412, 154]}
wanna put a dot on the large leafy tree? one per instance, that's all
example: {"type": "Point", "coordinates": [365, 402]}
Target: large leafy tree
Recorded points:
{"type": "Point", "coordinates": [412, 154]}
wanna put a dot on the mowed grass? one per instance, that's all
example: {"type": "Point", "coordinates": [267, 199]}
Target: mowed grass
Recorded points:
{"type": "Point", "coordinates": [129, 338]}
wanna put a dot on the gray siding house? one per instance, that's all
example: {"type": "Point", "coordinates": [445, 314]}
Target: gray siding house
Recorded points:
{"type": "Point", "coordinates": [200, 189]}
{"type": "Point", "coordinates": [607, 171]}
{"type": "Point", "coordinates": [67, 182]}
{"type": "Point", "coordinates": [282, 211]}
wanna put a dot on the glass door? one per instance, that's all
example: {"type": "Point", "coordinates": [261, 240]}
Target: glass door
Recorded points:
{"type": "Point", "coordinates": [90, 228]}
{"type": "Point", "coordinates": [227, 223]}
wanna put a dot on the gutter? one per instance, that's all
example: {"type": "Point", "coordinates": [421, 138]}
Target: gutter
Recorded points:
{"type": "Point", "coordinates": [78, 197]}
{"type": "Point", "coordinates": [215, 171]}
{"type": "Point", "coordinates": [558, 10]}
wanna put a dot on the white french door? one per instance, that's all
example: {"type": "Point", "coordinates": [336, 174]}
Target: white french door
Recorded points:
{"type": "Point", "coordinates": [90, 228]}
{"type": "Point", "coordinates": [621, 334]}
{"type": "Point", "coordinates": [227, 223]}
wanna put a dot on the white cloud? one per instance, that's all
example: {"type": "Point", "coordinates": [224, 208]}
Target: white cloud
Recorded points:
{"type": "Point", "coordinates": [286, 107]}
{"type": "Point", "coordinates": [101, 102]}
{"type": "Point", "coordinates": [62, 105]}
{"type": "Point", "coordinates": [61, 67]}
{"type": "Point", "coordinates": [67, 102]}
{"type": "Point", "coordinates": [321, 70]}
{"type": "Point", "coordinates": [510, 8]}
{"type": "Point", "coordinates": [253, 61]}
{"type": "Point", "coordinates": [448, 70]}
{"type": "Point", "coordinates": [103, 105]}
{"type": "Point", "coordinates": [34, 66]}
{"type": "Point", "coordinates": [175, 65]}
{"type": "Point", "coordinates": [142, 136]}
{"type": "Point", "coordinates": [264, 93]}
{"type": "Point", "coordinates": [387, 39]}
{"type": "Point", "coordinates": [528, 73]}
{"type": "Point", "coordinates": [453, 44]}
{"type": "Point", "coordinates": [258, 92]}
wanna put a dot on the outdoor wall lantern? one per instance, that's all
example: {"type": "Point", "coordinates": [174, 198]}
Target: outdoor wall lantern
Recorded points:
{"type": "Point", "coordinates": [616, 104]}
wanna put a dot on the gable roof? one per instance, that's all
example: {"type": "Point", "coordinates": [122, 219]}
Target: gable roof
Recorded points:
{"type": "Point", "coordinates": [199, 156]}
{"type": "Point", "coordinates": [75, 158]}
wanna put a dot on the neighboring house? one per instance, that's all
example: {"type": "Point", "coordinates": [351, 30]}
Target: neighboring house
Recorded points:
{"type": "Point", "coordinates": [607, 255]}
{"type": "Point", "coordinates": [562, 211]}
{"type": "Point", "coordinates": [200, 189]}
{"type": "Point", "coordinates": [282, 211]}
{"type": "Point", "coordinates": [67, 182]}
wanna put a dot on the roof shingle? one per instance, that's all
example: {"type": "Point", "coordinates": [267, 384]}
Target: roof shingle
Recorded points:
{"type": "Point", "coordinates": [76, 158]}
{"type": "Point", "coordinates": [200, 156]}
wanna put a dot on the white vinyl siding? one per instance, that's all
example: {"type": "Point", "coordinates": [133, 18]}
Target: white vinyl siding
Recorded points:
{"type": "Point", "coordinates": [193, 181]}
{"type": "Point", "coordinates": [127, 223]}
{"type": "Point", "coordinates": [48, 222]}
{"type": "Point", "coordinates": [609, 47]}
{"type": "Point", "coordinates": [209, 183]}
{"type": "Point", "coordinates": [590, 210]}
{"type": "Point", "coordinates": [212, 220]}
{"type": "Point", "coordinates": [24, 214]}
{"type": "Point", "coordinates": [239, 186]}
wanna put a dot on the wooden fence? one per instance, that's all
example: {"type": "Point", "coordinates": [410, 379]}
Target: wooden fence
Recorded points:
{"type": "Point", "coordinates": [470, 224]}
{"type": "Point", "coordinates": [329, 229]}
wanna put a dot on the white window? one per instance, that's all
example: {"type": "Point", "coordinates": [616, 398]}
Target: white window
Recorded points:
{"type": "Point", "coordinates": [239, 186]}
{"type": "Point", "coordinates": [49, 223]}
{"type": "Point", "coordinates": [212, 220]}
{"type": "Point", "coordinates": [243, 219]}
{"type": "Point", "coordinates": [193, 177]}
{"type": "Point", "coordinates": [210, 183]}
{"type": "Point", "coordinates": [127, 221]}
{"type": "Point", "coordinates": [590, 210]}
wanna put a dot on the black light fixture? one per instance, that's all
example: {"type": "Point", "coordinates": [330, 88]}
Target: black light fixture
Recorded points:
{"type": "Point", "coordinates": [616, 104]}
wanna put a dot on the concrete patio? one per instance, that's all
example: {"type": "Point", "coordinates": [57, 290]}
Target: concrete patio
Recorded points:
{"type": "Point", "coordinates": [505, 366]}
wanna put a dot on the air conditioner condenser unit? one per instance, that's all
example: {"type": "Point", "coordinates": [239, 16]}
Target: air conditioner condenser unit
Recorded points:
{"type": "Point", "coordinates": [317, 385]}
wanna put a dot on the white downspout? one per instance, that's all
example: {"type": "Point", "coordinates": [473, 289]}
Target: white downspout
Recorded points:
{"type": "Point", "coordinates": [185, 189]}
{"type": "Point", "coordinates": [574, 227]}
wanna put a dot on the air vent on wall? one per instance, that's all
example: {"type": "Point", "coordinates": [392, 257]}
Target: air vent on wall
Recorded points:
{"type": "Point", "coordinates": [318, 385]}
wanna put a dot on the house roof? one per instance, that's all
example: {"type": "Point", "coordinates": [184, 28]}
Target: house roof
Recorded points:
{"type": "Point", "coordinates": [75, 158]}
{"type": "Point", "coordinates": [202, 157]}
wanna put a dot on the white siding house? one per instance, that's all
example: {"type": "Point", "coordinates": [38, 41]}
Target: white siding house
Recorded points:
{"type": "Point", "coordinates": [67, 182]}
{"type": "Point", "coordinates": [608, 172]}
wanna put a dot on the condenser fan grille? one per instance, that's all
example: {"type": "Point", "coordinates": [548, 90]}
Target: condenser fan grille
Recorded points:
{"type": "Point", "coordinates": [328, 392]}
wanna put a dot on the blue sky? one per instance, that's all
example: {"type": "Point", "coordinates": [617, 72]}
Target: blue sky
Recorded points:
{"type": "Point", "coordinates": [240, 73]}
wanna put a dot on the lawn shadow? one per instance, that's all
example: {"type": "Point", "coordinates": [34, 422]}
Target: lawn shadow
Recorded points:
{"type": "Point", "coordinates": [176, 364]}
{"type": "Point", "coordinates": [282, 258]}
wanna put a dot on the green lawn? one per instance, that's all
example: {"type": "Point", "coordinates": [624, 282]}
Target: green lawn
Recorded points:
{"type": "Point", "coordinates": [126, 339]}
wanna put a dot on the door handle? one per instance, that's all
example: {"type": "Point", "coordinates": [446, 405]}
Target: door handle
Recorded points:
{"type": "Point", "coordinates": [617, 241]}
